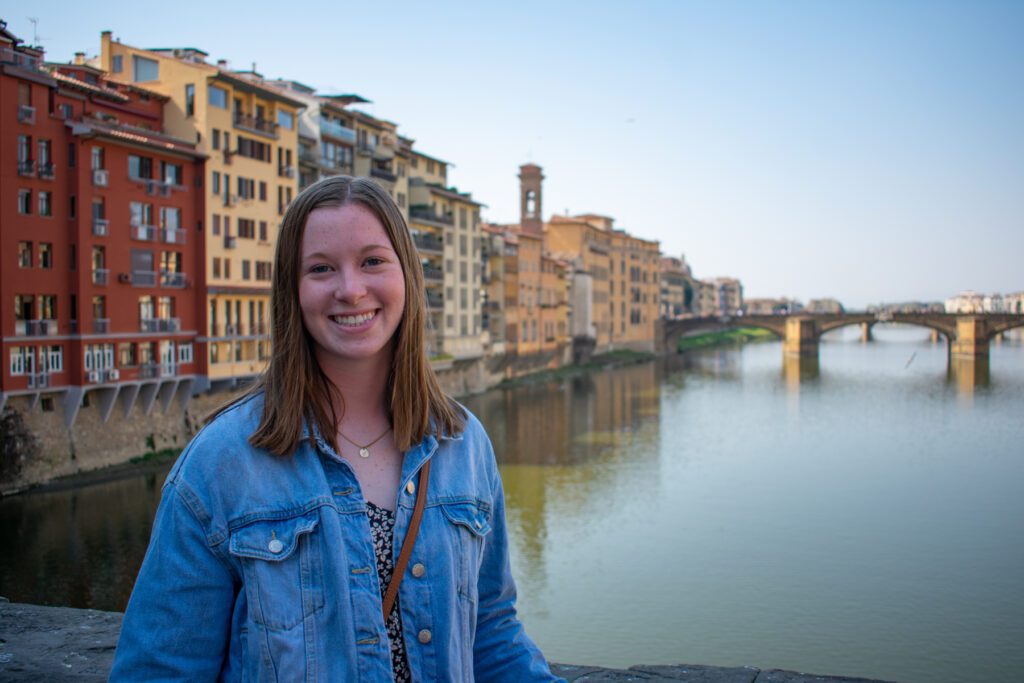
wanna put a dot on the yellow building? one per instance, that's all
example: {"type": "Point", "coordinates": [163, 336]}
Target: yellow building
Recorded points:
{"type": "Point", "coordinates": [445, 226]}
{"type": "Point", "coordinates": [633, 284]}
{"type": "Point", "coordinates": [249, 130]}
{"type": "Point", "coordinates": [586, 246]}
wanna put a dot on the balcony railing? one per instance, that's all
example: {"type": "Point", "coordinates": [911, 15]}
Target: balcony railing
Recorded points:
{"type": "Point", "coordinates": [159, 324]}
{"type": "Point", "coordinates": [432, 273]}
{"type": "Point", "coordinates": [39, 380]}
{"type": "Point", "coordinates": [100, 276]}
{"type": "Point", "coordinates": [100, 227]}
{"type": "Point", "coordinates": [172, 235]}
{"type": "Point", "coordinates": [383, 174]}
{"type": "Point", "coordinates": [336, 165]}
{"type": "Point", "coordinates": [337, 131]}
{"type": "Point", "coordinates": [9, 56]}
{"type": "Point", "coordinates": [230, 241]}
{"type": "Point", "coordinates": [157, 187]}
{"type": "Point", "coordinates": [366, 148]}
{"type": "Point", "coordinates": [286, 171]}
{"type": "Point", "coordinates": [144, 278]}
{"type": "Point", "coordinates": [149, 370]}
{"type": "Point", "coordinates": [172, 279]}
{"type": "Point", "coordinates": [425, 213]}
{"type": "Point", "coordinates": [100, 325]}
{"type": "Point", "coordinates": [35, 328]}
{"type": "Point", "coordinates": [251, 123]}
{"type": "Point", "coordinates": [144, 233]}
{"type": "Point", "coordinates": [46, 171]}
{"type": "Point", "coordinates": [428, 242]}
{"type": "Point", "coordinates": [308, 156]}
{"type": "Point", "coordinates": [27, 167]}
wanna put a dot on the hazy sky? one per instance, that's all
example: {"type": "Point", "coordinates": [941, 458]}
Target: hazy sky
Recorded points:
{"type": "Point", "coordinates": [864, 150]}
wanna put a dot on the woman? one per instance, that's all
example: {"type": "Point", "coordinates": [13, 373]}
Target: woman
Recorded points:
{"type": "Point", "coordinates": [271, 548]}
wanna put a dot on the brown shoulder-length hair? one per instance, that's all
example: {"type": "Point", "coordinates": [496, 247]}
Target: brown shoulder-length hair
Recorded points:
{"type": "Point", "coordinates": [294, 387]}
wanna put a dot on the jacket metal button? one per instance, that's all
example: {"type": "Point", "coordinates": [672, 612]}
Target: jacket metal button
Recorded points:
{"type": "Point", "coordinates": [275, 546]}
{"type": "Point", "coordinates": [418, 570]}
{"type": "Point", "coordinates": [411, 488]}
{"type": "Point", "coordinates": [477, 523]}
{"type": "Point", "coordinates": [424, 636]}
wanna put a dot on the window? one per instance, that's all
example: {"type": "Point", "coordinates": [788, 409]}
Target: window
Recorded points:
{"type": "Point", "coordinates": [246, 228]}
{"type": "Point", "coordinates": [216, 224]}
{"type": "Point", "coordinates": [96, 162]}
{"type": "Point", "coordinates": [227, 268]}
{"type": "Point", "coordinates": [140, 167]}
{"type": "Point", "coordinates": [117, 64]}
{"type": "Point", "coordinates": [23, 360]}
{"type": "Point", "coordinates": [24, 148]}
{"type": "Point", "coordinates": [171, 173]}
{"type": "Point", "coordinates": [215, 140]}
{"type": "Point", "coordinates": [185, 353]}
{"type": "Point", "coordinates": [47, 307]}
{"type": "Point", "coordinates": [190, 99]}
{"type": "Point", "coordinates": [216, 266]}
{"type": "Point", "coordinates": [263, 191]}
{"type": "Point", "coordinates": [45, 152]}
{"type": "Point", "coordinates": [144, 69]}
{"type": "Point", "coordinates": [25, 202]}
{"type": "Point", "coordinates": [170, 218]}
{"type": "Point", "coordinates": [72, 206]}
{"type": "Point", "coordinates": [218, 97]}
{"type": "Point", "coordinates": [127, 356]}
{"type": "Point", "coordinates": [263, 231]}
{"type": "Point", "coordinates": [285, 119]}
{"type": "Point", "coordinates": [245, 269]}
{"type": "Point", "coordinates": [25, 254]}
{"type": "Point", "coordinates": [45, 255]}
{"type": "Point", "coordinates": [215, 184]}
{"type": "Point", "coordinates": [45, 204]}
{"type": "Point", "coordinates": [52, 358]}
{"type": "Point", "coordinates": [401, 199]}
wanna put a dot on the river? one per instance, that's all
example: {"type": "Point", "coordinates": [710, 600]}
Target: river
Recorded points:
{"type": "Point", "coordinates": [862, 515]}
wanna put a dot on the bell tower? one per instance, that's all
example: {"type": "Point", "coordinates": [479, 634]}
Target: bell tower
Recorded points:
{"type": "Point", "coordinates": [531, 216]}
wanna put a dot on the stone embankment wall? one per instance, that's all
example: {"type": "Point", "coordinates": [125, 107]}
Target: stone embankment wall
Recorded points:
{"type": "Point", "coordinates": [38, 447]}
{"type": "Point", "coordinates": [63, 644]}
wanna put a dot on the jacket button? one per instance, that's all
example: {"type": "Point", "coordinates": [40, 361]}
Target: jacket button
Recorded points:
{"type": "Point", "coordinates": [418, 570]}
{"type": "Point", "coordinates": [411, 488]}
{"type": "Point", "coordinates": [275, 546]}
{"type": "Point", "coordinates": [424, 636]}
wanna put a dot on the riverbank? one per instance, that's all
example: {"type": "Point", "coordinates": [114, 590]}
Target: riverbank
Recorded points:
{"type": "Point", "coordinates": [604, 361]}
{"type": "Point", "coordinates": [64, 644]}
{"type": "Point", "coordinates": [725, 338]}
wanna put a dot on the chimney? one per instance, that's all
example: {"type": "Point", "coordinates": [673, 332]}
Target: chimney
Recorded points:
{"type": "Point", "coordinates": [79, 58]}
{"type": "Point", "coordinates": [222, 64]}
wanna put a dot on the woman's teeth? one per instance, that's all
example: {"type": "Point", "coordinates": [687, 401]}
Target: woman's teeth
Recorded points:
{"type": "Point", "coordinates": [353, 320]}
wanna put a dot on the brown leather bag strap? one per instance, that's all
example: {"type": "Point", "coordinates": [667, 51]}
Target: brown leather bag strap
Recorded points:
{"type": "Point", "coordinates": [410, 539]}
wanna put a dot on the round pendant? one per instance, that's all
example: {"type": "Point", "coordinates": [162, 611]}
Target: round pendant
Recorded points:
{"type": "Point", "coordinates": [364, 452]}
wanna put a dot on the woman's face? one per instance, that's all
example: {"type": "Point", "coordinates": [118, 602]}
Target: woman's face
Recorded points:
{"type": "Point", "coordinates": [351, 286]}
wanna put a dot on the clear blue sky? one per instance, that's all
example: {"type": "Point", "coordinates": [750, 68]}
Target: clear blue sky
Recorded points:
{"type": "Point", "coordinates": [869, 150]}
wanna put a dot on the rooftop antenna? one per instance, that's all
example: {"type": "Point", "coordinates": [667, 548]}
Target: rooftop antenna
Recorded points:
{"type": "Point", "coordinates": [35, 31]}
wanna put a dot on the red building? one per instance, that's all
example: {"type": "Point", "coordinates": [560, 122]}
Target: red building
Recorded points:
{"type": "Point", "coordinates": [101, 278]}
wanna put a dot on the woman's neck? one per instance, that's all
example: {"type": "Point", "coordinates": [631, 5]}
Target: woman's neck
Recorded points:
{"type": "Point", "coordinates": [363, 387]}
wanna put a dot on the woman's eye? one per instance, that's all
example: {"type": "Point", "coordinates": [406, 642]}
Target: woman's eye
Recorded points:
{"type": "Point", "coordinates": [320, 268]}
{"type": "Point", "coordinates": [374, 261]}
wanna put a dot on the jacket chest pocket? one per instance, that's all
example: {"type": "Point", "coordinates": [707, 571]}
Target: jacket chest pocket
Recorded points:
{"type": "Point", "coordinates": [282, 566]}
{"type": "Point", "coordinates": [470, 523]}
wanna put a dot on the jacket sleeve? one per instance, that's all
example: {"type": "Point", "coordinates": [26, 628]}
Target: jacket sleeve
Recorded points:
{"type": "Point", "coordinates": [178, 619]}
{"type": "Point", "coordinates": [502, 651]}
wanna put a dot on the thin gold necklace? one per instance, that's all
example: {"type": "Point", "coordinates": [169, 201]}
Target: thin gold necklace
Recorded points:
{"type": "Point", "coordinates": [364, 451]}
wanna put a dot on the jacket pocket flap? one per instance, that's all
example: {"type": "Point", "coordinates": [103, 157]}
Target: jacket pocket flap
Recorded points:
{"type": "Point", "coordinates": [272, 539]}
{"type": "Point", "coordinates": [468, 515]}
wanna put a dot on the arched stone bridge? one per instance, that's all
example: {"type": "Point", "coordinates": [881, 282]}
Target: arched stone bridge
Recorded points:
{"type": "Point", "coordinates": [968, 335]}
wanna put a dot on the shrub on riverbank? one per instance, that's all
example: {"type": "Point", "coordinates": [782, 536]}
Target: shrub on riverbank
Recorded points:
{"type": "Point", "coordinates": [725, 338]}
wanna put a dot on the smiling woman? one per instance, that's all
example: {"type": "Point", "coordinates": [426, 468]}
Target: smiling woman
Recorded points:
{"type": "Point", "coordinates": [272, 551]}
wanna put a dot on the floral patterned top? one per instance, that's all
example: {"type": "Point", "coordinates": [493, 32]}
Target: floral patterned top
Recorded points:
{"type": "Point", "coordinates": [382, 525]}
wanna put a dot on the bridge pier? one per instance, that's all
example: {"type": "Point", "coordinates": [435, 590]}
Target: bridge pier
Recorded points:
{"type": "Point", "coordinates": [972, 339]}
{"type": "Point", "coordinates": [865, 332]}
{"type": "Point", "coordinates": [802, 338]}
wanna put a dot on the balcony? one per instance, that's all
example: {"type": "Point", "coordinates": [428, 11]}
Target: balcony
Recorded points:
{"type": "Point", "coordinates": [428, 243]}
{"type": "Point", "coordinates": [47, 170]}
{"type": "Point", "coordinates": [159, 324]}
{"type": "Point", "coordinates": [173, 279]}
{"type": "Point", "coordinates": [40, 380]}
{"type": "Point", "coordinates": [228, 155]}
{"type": "Point", "coordinates": [100, 325]}
{"type": "Point", "coordinates": [308, 156]}
{"type": "Point", "coordinates": [149, 371]}
{"type": "Point", "coordinates": [434, 299]}
{"type": "Point", "coordinates": [27, 167]}
{"type": "Point", "coordinates": [144, 278]}
{"type": "Point", "coordinates": [230, 242]}
{"type": "Point", "coordinates": [286, 171]}
{"type": "Point", "coordinates": [100, 177]}
{"type": "Point", "coordinates": [172, 235]}
{"type": "Point", "coordinates": [26, 114]}
{"type": "Point", "coordinates": [335, 166]}
{"type": "Point", "coordinates": [157, 188]}
{"type": "Point", "coordinates": [337, 131]}
{"type": "Point", "coordinates": [425, 213]}
{"type": "Point", "coordinates": [100, 276]}
{"type": "Point", "coordinates": [365, 148]}
{"type": "Point", "coordinates": [251, 123]}
{"type": "Point", "coordinates": [144, 233]}
{"type": "Point", "coordinates": [100, 227]}
{"type": "Point", "coordinates": [35, 328]}
{"type": "Point", "coordinates": [383, 174]}
{"type": "Point", "coordinates": [432, 274]}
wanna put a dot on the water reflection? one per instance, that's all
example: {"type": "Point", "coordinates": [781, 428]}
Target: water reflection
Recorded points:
{"type": "Point", "coordinates": [968, 374]}
{"type": "Point", "coordinates": [799, 369]}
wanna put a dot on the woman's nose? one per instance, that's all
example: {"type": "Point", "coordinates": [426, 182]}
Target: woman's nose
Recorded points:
{"type": "Point", "coordinates": [349, 287]}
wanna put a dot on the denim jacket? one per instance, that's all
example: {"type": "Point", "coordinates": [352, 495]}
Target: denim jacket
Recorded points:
{"type": "Point", "coordinates": [261, 568]}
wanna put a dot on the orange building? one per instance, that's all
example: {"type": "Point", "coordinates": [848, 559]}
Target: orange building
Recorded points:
{"type": "Point", "coordinates": [100, 281]}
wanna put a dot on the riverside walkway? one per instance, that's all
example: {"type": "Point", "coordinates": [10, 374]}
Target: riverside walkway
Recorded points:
{"type": "Point", "coordinates": [64, 644]}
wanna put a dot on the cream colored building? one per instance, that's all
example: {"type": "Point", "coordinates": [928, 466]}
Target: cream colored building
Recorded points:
{"type": "Point", "coordinates": [249, 130]}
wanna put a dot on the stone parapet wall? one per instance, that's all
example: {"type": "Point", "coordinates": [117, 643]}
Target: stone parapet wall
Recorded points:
{"type": "Point", "coordinates": [63, 644]}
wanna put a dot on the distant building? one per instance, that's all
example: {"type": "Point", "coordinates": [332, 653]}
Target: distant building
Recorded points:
{"type": "Point", "coordinates": [676, 289]}
{"type": "Point", "coordinates": [825, 305]}
{"type": "Point", "coordinates": [781, 306]}
{"type": "Point", "coordinates": [727, 295]}
{"type": "Point", "coordinates": [966, 302]}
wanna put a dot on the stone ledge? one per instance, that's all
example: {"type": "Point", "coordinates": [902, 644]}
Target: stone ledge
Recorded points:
{"type": "Point", "coordinates": [65, 644]}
